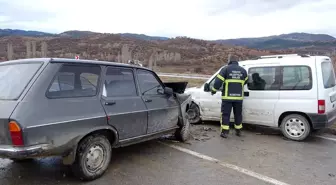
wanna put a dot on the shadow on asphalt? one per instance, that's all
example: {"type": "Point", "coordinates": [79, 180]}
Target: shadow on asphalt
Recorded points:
{"type": "Point", "coordinates": [52, 171]}
{"type": "Point", "coordinates": [263, 130]}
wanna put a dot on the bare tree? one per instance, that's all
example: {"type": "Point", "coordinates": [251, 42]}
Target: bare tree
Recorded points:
{"type": "Point", "coordinates": [10, 51]}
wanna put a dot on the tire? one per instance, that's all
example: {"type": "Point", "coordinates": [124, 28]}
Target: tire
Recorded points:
{"type": "Point", "coordinates": [87, 165]}
{"type": "Point", "coordinates": [182, 134]}
{"type": "Point", "coordinates": [295, 127]}
{"type": "Point", "coordinates": [194, 115]}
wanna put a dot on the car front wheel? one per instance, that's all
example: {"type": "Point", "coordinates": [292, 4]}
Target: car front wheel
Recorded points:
{"type": "Point", "coordinates": [183, 132]}
{"type": "Point", "coordinates": [92, 158]}
{"type": "Point", "coordinates": [295, 127]}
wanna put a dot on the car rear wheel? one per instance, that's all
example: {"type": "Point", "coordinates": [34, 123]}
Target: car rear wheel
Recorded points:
{"type": "Point", "coordinates": [295, 127]}
{"type": "Point", "coordinates": [194, 114]}
{"type": "Point", "coordinates": [92, 158]}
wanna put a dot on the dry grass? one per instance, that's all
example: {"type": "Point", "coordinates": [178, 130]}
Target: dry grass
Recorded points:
{"type": "Point", "coordinates": [191, 81]}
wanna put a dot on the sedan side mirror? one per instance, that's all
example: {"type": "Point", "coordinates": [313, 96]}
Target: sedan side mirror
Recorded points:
{"type": "Point", "coordinates": [206, 87]}
{"type": "Point", "coordinates": [168, 91]}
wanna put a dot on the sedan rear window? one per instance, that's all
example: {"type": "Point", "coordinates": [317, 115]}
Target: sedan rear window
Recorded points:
{"type": "Point", "coordinates": [14, 78]}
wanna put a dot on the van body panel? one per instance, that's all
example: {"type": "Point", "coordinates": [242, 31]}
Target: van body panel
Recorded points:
{"type": "Point", "coordinates": [266, 100]}
{"type": "Point", "coordinates": [303, 81]}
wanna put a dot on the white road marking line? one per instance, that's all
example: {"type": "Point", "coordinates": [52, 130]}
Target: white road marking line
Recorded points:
{"type": "Point", "coordinates": [327, 138]}
{"type": "Point", "coordinates": [227, 165]}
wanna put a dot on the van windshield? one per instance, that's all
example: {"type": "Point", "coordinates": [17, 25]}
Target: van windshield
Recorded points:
{"type": "Point", "coordinates": [328, 74]}
{"type": "Point", "coordinates": [14, 78]}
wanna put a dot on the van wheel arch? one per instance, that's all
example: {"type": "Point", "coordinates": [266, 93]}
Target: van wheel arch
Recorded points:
{"type": "Point", "coordinates": [111, 134]}
{"type": "Point", "coordinates": [283, 115]}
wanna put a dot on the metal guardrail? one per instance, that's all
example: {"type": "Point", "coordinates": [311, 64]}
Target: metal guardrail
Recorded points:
{"type": "Point", "coordinates": [194, 76]}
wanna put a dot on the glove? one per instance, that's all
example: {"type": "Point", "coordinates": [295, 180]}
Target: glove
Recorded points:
{"type": "Point", "coordinates": [213, 92]}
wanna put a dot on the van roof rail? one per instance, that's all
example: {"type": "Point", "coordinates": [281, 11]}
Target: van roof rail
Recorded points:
{"type": "Point", "coordinates": [279, 56]}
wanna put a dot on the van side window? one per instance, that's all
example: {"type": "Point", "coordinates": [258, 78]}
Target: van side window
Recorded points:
{"type": "Point", "coordinates": [263, 79]}
{"type": "Point", "coordinates": [119, 82]}
{"type": "Point", "coordinates": [75, 81]}
{"type": "Point", "coordinates": [212, 83]}
{"type": "Point", "coordinates": [296, 78]}
{"type": "Point", "coordinates": [328, 74]}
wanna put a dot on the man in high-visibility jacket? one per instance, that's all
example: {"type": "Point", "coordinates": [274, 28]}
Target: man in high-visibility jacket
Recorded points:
{"type": "Point", "coordinates": [232, 78]}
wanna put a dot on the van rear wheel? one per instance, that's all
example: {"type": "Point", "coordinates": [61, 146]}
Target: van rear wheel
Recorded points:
{"type": "Point", "coordinates": [295, 127]}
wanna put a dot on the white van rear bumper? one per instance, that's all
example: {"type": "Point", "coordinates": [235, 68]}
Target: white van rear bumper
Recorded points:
{"type": "Point", "coordinates": [322, 120]}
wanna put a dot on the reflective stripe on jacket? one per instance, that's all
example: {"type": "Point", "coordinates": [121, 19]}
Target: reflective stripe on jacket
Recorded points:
{"type": "Point", "coordinates": [232, 78]}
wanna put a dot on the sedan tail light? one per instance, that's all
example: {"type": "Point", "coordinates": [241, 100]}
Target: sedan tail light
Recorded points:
{"type": "Point", "coordinates": [15, 133]}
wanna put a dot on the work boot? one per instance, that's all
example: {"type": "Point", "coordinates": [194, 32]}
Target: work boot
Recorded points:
{"type": "Point", "coordinates": [224, 134]}
{"type": "Point", "coordinates": [238, 132]}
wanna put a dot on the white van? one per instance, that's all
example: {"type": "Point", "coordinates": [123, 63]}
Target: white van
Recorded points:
{"type": "Point", "coordinates": [296, 93]}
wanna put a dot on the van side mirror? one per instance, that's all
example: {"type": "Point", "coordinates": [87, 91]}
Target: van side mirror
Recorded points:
{"type": "Point", "coordinates": [206, 87]}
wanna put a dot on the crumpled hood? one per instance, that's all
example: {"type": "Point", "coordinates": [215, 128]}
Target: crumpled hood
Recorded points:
{"type": "Point", "coordinates": [178, 87]}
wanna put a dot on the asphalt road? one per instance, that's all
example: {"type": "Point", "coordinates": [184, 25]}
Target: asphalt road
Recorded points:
{"type": "Point", "coordinates": [258, 155]}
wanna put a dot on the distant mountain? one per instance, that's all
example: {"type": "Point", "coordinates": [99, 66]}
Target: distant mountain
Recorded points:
{"type": "Point", "coordinates": [16, 32]}
{"type": "Point", "coordinates": [74, 34]}
{"type": "Point", "coordinates": [283, 41]}
{"type": "Point", "coordinates": [77, 34]}
{"type": "Point", "coordinates": [142, 36]}
{"type": "Point", "coordinates": [275, 42]}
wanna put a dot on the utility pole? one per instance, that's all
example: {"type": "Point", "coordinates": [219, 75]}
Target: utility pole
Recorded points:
{"type": "Point", "coordinates": [28, 49]}
{"type": "Point", "coordinates": [33, 49]}
{"type": "Point", "coordinates": [10, 51]}
{"type": "Point", "coordinates": [44, 49]}
{"type": "Point", "coordinates": [229, 57]}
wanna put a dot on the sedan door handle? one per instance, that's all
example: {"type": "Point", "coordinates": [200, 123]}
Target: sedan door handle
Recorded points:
{"type": "Point", "coordinates": [110, 103]}
{"type": "Point", "coordinates": [148, 100]}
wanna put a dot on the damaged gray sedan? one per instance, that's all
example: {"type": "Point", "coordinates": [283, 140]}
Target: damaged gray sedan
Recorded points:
{"type": "Point", "coordinates": [81, 109]}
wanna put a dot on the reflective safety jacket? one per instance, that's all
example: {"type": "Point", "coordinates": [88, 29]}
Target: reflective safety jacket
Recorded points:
{"type": "Point", "coordinates": [232, 78]}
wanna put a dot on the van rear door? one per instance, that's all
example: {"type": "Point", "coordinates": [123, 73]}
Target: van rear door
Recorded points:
{"type": "Point", "coordinates": [328, 89]}
{"type": "Point", "coordinates": [14, 78]}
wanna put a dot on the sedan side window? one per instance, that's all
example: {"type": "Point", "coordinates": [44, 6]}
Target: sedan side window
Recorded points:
{"type": "Point", "coordinates": [119, 82]}
{"type": "Point", "coordinates": [149, 84]}
{"type": "Point", "coordinates": [75, 81]}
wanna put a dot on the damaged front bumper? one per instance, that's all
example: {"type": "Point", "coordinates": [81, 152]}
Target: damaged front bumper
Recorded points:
{"type": "Point", "coordinates": [7, 151]}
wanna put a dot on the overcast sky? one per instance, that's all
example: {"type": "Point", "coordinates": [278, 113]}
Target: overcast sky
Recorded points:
{"type": "Point", "coordinates": [204, 19]}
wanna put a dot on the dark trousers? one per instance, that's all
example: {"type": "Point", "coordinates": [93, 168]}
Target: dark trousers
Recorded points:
{"type": "Point", "coordinates": [226, 111]}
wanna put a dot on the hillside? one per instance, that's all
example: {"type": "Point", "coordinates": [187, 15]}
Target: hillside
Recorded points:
{"type": "Point", "coordinates": [179, 54]}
